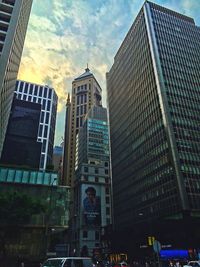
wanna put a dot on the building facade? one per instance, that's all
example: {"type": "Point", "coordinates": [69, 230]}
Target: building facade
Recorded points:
{"type": "Point", "coordinates": [153, 95]}
{"type": "Point", "coordinates": [47, 97]}
{"type": "Point", "coordinates": [21, 146]}
{"type": "Point", "coordinates": [86, 92]}
{"type": "Point", "coordinates": [92, 186]}
{"type": "Point", "coordinates": [14, 16]}
{"type": "Point", "coordinates": [30, 239]}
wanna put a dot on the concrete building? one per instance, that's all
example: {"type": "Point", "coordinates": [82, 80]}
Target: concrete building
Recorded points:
{"type": "Point", "coordinates": [92, 186]}
{"type": "Point", "coordinates": [86, 92]}
{"type": "Point", "coordinates": [153, 95]}
{"type": "Point", "coordinates": [14, 16]}
{"type": "Point", "coordinates": [47, 97]}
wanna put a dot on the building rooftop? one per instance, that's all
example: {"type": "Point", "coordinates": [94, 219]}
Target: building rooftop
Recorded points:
{"type": "Point", "coordinates": [87, 73]}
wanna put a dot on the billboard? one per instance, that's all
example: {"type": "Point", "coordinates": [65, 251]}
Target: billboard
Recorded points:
{"type": "Point", "coordinates": [91, 205]}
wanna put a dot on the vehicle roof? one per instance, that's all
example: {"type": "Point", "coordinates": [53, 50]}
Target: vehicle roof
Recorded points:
{"type": "Point", "coordinates": [69, 258]}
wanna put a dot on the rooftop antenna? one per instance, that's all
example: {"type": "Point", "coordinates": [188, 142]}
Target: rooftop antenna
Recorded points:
{"type": "Point", "coordinates": [87, 69]}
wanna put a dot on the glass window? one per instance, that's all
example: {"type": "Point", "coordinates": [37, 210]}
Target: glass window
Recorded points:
{"type": "Point", "coordinates": [96, 235]}
{"type": "Point", "coordinates": [85, 234]}
{"type": "Point", "coordinates": [18, 176]}
{"type": "Point", "coordinates": [11, 174]}
{"type": "Point", "coordinates": [78, 99]}
{"type": "Point", "coordinates": [50, 93]}
{"type": "Point", "coordinates": [40, 178]}
{"type": "Point", "coordinates": [32, 177]}
{"type": "Point", "coordinates": [44, 145]}
{"type": "Point", "coordinates": [25, 177]}
{"type": "Point", "coordinates": [45, 92]}
{"type": "Point", "coordinates": [47, 118]}
{"type": "Point", "coordinates": [45, 131]}
{"type": "Point", "coordinates": [21, 86]}
{"type": "Point", "coordinates": [29, 98]}
{"type": "Point", "coordinates": [3, 174]}
{"type": "Point", "coordinates": [26, 88]}
{"type": "Point", "coordinates": [40, 131]}
{"type": "Point", "coordinates": [85, 169]}
{"type": "Point", "coordinates": [36, 90]}
{"type": "Point", "coordinates": [31, 89]}
{"type": "Point", "coordinates": [77, 122]}
{"type": "Point", "coordinates": [44, 104]}
{"type": "Point", "coordinates": [49, 105]}
{"type": "Point", "coordinates": [40, 90]}
{"type": "Point", "coordinates": [77, 111]}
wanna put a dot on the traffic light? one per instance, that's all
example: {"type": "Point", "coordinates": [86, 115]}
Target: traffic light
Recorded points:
{"type": "Point", "coordinates": [150, 240]}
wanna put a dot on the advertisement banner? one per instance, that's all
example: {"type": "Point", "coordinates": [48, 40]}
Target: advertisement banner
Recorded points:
{"type": "Point", "coordinates": [91, 205]}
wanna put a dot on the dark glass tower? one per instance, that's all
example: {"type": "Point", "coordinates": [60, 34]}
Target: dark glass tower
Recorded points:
{"type": "Point", "coordinates": [153, 96]}
{"type": "Point", "coordinates": [21, 146]}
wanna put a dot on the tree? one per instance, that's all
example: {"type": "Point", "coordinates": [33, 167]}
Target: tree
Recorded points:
{"type": "Point", "coordinates": [16, 210]}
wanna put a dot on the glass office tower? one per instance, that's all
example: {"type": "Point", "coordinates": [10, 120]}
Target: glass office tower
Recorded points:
{"type": "Point", "coordinates": [47, 97]}
{"type": "Point", "coordinates": [153, 96]}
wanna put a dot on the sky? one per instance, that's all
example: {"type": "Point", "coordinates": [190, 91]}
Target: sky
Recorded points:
{"type": "Point", "coordinates": [64, 35]}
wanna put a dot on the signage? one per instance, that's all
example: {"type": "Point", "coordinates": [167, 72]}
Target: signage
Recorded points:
{"type": "Point", "coordinates": [156, 246]}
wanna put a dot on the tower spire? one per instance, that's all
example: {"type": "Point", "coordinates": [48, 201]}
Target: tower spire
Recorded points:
{"type": "Point", "coordinates": [68, 99]}
{"type": "Point", "coordinates": [87, 69]}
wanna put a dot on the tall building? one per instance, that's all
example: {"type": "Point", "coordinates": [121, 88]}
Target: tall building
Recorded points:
{"type": "Point", "coordinates": [86, 92]}
{"type": "Point", "coordinates": [14, 15]}
{"type": "Point", "coordinates": [47, 97]}
{"type": "Point", "coordinates": [92, 184]}
{"type": "Point", "coordinates": [66, 146]}
{"type": "Point", "coordinates": [153, 95]}
{"type": "Point", "coordinates": [21, 146]}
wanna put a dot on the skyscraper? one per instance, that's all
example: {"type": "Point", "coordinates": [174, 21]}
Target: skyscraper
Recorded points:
{"type": "Point", "coordinates": [14, 17]}
{"type": "Point", "coordinates": [153, 95]}
{"type": "Point", "coordinates": [86, 92]}
{"type": "Point", "coordinates": [47, 97]}
{"type": "Point", "coordinates": [92, 183]}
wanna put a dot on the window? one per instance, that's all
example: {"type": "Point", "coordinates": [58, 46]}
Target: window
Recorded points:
{"type": "Point", "coordinates": [50, 93]}
{"type": "Point", "coordinates": [96, 170]}
{"type": "Point", "coordinates": [107, 190]}
{"type": "Point", "coordinates": [26, 88]}
{"type": "Point", "coordinates": [85, 234]}
{"type": "Point", "coordinates": [45, 91]}
{"type": "Point", "coordinates": [40, 90]}
{"type": "Point", "coordinates": [96, 235]}
{"type": "Point", "coordinates": [31, 89]}
{"type": "Point", "coordinates": [106, 171]}
{"type": "Point", "coordinates": [49, 105]}
{"type": "Point", "coordinates": [106, 164]}
{"type": "Point", "coordinates": [107, 211]}
{"type": "Point", "coordinates": [85, 169]}
{"type": "Point", "coordinates": [107, 200]}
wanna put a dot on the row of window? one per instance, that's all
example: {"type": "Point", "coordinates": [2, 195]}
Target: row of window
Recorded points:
{"type": "Point", "coordinates": [34, 90]}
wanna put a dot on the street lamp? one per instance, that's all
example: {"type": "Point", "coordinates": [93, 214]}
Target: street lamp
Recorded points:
{"type": "Point", "coordinates": [48, 217]}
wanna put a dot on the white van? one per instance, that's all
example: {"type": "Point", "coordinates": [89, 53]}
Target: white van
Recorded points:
{"type": "Point", "coordinates": [68, 262]}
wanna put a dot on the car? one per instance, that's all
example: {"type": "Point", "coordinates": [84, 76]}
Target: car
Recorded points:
{"type": "Point", "coordinates": [192, 264]}
{"type": "Point", "coordinates": [68, 262]}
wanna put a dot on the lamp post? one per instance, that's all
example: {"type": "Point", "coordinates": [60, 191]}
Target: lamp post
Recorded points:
{"type": "Point", "coordinates": [48, 217]}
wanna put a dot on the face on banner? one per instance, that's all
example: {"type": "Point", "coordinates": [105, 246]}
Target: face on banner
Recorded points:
{"type": "Point", "coordinates": [91, 203]}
